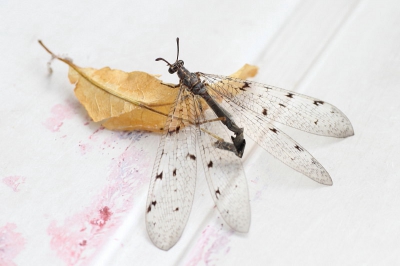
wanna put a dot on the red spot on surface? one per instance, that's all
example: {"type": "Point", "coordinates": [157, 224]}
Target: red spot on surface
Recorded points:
{"type": "Point", "coordinates": [14, 182]}
{"type": "Point", "coordinates": [11, 244]}
{"type": "Point", "coordinates": [105, 215]}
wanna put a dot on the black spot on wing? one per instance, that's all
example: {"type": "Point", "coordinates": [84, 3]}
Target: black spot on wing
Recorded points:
{"type": "Point", "coordinates": [274, 130]}
{"type": "Point", "coordinates": [176, 209]}
{"type": "Point", "coordinates": [290, 95]}
{"type": "Point", "coordinates": [282, 105]}
{"type": "Point", "coordinates": [191, 156]}
{"type": "Point", "coordinates": [245, 85]}
{"type": "Point", "coordinates": [154, 203]}
{"type": "Point", "coordinates": [217, 193]}
{"type": "Point", "coordinates": [264, 111]}
{"type": "Point", "coordinates": [316, 122]}
{"type": "Point", "coordinates": [159, 176]}
{"type": "Point", "coordinates": [175, 130]}
{"type": "Point", "coordinates": [174, 172]}
{"type": "Point", "coordinates": [298, 148]}
{"type": "Point", "coordinates": [318, 103]}
{"type": "Point", "coordinates": [210, 164]}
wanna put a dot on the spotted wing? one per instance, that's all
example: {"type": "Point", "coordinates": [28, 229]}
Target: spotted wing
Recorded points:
{"type": "Point", "coordinates": [286, 107]}
{"type": "Point", "coordinates": [254, 106]}
{"type": "Point", "coordinates": [173, 180]}
{"type": "Point", "coordinates": [278, 144]}
{"type": "Point", "coordinates": [224, 172]}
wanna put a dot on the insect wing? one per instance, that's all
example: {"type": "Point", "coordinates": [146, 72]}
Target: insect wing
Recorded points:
{"type": "Point", "coordinates": [173, 179]}
{"type": "Point", "coordinates": [281, 145]}
{"type": "Point", "coordinates": [236, 96]}
{"type": "Point", "coordinates": [286, 107]}
{"type": "Point", "coordinates": [225, 176]}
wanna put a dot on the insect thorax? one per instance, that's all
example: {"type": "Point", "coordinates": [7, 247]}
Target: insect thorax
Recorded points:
{"type": "Point", "coordinates": [191, 81]}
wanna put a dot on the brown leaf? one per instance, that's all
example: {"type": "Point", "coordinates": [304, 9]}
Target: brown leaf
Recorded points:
{"type": "Point", "coordinates": [123, 101]}
{"type": "Point", "coordinates": [127, 100]}
{"type": "Point", "coordinates": [143, 119]}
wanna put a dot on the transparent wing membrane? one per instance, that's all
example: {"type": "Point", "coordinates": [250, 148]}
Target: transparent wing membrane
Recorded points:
{"type": "Point", "coordinates": [286, 107]}
{"type": "Point", "coordinates": [225, 176]}
{"type": "Point", "coordinates": [173, 179]}
{"type": "Point", "coordinates": [215, 113]}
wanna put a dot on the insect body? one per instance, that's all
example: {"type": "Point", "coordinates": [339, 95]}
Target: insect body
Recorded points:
{"type": "Point", "coordinates": [193, 83]}
{"type": "Point", "coordinates": [232, 102]}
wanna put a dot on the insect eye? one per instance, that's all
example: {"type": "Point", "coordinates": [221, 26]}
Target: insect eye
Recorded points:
{"type": "Point", "coordinates": [172, 69]}
{"type": "Point", "coordinates": [180, 62]}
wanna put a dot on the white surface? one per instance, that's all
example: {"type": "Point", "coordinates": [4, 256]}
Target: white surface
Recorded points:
{"type": "Point", "coordinates": [344, 52]}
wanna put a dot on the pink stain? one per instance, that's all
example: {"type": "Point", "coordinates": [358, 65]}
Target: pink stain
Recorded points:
{"type": "Point", "coordinates": [85, 148]}
{"type": "Point", "coordinates": [259, 193]}
{"type": "Point", "coordinates": [88, 147]}
{"type": "Point", "coordinates": [11, 244]}
{"type": "Point", "coordinates": [88, 120]}
{"type": "Point", "coordinates": [213, 241]}
{"type": "Point", "coordinates": [109, 142]}
{"type": "Point", "coordinates": [59, 113]}
{"type": "Point", "coordinates": [101, 128]}
{"type": "Point", "coordinates": [14, 182]}
{"type": "Point", "coordinates": [79, 237]}
{"type": "Point", "coordinates": [106, 142]}
{"type": "Point", "coordinates": [261, 188]}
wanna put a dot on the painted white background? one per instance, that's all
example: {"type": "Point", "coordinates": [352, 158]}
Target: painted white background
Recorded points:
{"type": "Point", "coordinates": [345, 52]}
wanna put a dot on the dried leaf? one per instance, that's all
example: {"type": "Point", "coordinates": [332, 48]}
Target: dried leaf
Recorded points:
{"type": "Point", "coordinates": [127, 100]}
{"type": "Point", "coordinates": [134, 120]}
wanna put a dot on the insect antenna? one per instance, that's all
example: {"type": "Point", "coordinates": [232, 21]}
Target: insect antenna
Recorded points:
{"type": "Point", "coordinates": [158, 59]}
{"type": "Point", "coordinates": [177, 55]}
{"type": "Point", "coordinates": [177, 44]}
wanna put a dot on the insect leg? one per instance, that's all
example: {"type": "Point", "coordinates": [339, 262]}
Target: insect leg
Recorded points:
{"type": "Point", "coordinates": [222, 144]}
